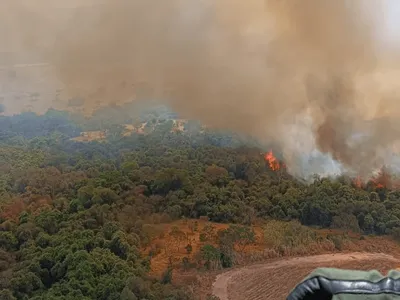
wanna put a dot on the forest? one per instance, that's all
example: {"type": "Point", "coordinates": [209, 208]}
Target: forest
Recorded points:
{"type": "Point", "coordinates": [75, 215]}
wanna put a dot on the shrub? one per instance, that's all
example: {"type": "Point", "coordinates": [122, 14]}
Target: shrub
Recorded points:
{"type": "Point", "coordinates": [281, 235]}
{"type": "Point", "coordinates": [167, 276]}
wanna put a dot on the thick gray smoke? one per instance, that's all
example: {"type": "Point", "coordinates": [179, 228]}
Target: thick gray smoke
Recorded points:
{"type": "Point", "coordinates": [307, 74]}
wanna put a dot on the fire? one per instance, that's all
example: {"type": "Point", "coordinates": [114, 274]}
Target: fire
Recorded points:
{"type": "Point", "coordinates": [382, 180]}
{"type": "Point", "coordinates": [272, 161]}
{"type": "Point", "coordinates": [358, 182]}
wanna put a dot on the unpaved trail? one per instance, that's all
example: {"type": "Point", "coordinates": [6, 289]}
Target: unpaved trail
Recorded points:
{"type": "Point", "coordinates": [275, 280]}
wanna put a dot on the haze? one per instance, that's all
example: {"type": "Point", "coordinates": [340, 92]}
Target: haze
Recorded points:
{"type": "Point", "coordinates": [322, 70]}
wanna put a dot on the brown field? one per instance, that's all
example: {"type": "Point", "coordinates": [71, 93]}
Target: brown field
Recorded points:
{"type": "Point", "coordinates": [275, 280]}
{"type": "Point", "coordinates": [89, 136]}
{"type": "Point", "coordinates": [169, 250]}
{"type": "Point", "coordinates": [263, 273]}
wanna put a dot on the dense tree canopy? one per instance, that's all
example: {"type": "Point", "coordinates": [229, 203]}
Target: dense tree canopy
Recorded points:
{"type": "Point", "coordinates": [73, 215]}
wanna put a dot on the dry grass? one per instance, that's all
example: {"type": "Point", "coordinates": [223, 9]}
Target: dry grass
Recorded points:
{"type": "Point", "coordinates": [167, 250]}
{"type": "Point", "coordinates": [89, 136]}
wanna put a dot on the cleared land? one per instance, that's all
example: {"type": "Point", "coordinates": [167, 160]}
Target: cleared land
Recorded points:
{"type": "Point", "coordinates": [275, 280]}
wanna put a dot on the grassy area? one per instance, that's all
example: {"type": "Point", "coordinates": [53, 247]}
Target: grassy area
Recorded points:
{"type": "Point", "coordinates": [188, 244]}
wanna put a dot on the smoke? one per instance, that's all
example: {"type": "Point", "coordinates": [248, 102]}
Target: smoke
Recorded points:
{"type": "Point", "coordinates": [306, 74]}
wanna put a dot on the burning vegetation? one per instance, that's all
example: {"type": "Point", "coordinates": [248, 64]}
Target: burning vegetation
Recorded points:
{"type": "Point", "coordinates": [272, 161]}
{"type": "Point", "coordinates": [384, 179]}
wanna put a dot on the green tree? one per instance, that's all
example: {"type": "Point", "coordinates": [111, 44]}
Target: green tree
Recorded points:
{"type": "Point", "coordinates": [369, 223]}
{"type": "Point", "coordinates": [8, 241]}
{"type": "Point", "coordinates": [211, 256]}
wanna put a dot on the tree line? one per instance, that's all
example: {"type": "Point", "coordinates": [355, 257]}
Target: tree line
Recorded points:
{"type": "Point", "coordinates": [74, 215]}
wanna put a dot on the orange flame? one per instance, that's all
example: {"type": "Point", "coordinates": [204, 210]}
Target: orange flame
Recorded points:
{"type": "Point", "coordinates": [272, 161]}
{"type": "Point", "coordinates": [358, 182]}
{"type": "Point", "coordinates": [382, 180]}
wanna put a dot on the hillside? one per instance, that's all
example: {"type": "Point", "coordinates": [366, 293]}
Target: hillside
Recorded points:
{"type": "Point", "coordinates": [184, 245]}
{"type": "Point", "coordinates": [168, 247]}
{"type": "Point", "coordinates": [156, 215]}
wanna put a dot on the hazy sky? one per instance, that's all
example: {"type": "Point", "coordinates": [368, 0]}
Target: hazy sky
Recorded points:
{"type": "Point", "coordinates": [205, 70]}
{"type": "Point", "coordinates": [392, 19]}
{"type": "Point", "coordinates": [390, 33]}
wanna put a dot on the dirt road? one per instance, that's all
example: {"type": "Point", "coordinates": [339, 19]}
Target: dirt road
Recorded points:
{"type": "Point", "coordinates": [275, 280]}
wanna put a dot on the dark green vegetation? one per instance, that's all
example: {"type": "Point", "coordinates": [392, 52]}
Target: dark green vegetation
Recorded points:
{"type": "Point", "coordinates": [73, 215]}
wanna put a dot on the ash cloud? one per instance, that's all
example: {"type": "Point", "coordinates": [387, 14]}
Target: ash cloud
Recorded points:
{"type": "Point", "coordinates": [276, 69]}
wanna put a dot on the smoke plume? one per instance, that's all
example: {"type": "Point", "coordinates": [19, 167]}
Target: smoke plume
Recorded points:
{"type": "Point", "coordinates": [305, 74]}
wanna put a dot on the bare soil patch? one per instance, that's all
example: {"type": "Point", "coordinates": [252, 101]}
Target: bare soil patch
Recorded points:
{"type": "Point", "coordinates": [275, 280]}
